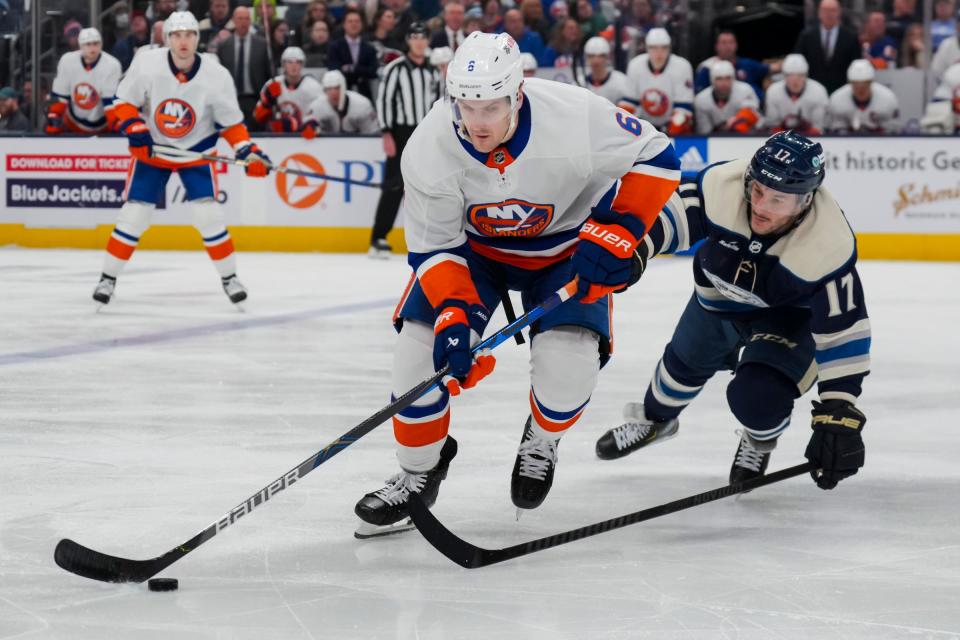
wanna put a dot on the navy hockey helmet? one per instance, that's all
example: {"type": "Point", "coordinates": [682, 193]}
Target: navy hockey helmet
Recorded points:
{"type": "Point", "coordinates": [788, 162]}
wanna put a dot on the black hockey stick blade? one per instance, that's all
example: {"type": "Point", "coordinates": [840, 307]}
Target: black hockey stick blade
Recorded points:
{"type": "Point", "coordinates": [471, 556]}
{"type": "Point", "coordinates": [88, 563]}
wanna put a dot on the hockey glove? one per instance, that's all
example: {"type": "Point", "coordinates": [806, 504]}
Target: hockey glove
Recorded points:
{"type": "Point", "coordinates": [138, 137]}
{"type": "Point", "coordinates": [270, 93]}
{"type": "Point", "coordinates": [603, 260]}
{"type": "Point", "coordinates": [836, 447]}
{"type": "Point", "coordinates": [638, 264]}
{"type": "Point", "coordinates": [285, 123]}
{"type": "Point", "coordinates": [258, 164]}
{"type": "Point", "coordinates": [457, 329]}
{"type": "Point", "coordinates": [309, 130]}
{"type": "Point", "coordinates": [55, 115]}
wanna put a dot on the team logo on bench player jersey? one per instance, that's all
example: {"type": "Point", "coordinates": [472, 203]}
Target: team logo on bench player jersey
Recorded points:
{"type": "Point", "coordinates": [174, 118]}
{"type": "Point", "coordinates": [511, 218]}
{"type": "Point", "coordinates": [85, 96]}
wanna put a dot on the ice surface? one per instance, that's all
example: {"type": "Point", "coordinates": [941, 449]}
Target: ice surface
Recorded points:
{"type": "Point", "coordinates": [132, 429]}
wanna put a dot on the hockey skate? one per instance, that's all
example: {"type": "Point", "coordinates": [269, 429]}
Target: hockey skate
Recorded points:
{"type": "Point", "coordinates": [380, 250]}
{"type": "Point", "coordinates": [234, 289]}
{"type": "Point", "coordinates": [751, 459]}
{"type": "Point", "coordinates": [533, 470]}
{"type": "Point", "coordinates": [385, 511]}
{"type": "Point", "coordinates": [636, 432]}
{"type": "Point", "coordinates": [103, 292]}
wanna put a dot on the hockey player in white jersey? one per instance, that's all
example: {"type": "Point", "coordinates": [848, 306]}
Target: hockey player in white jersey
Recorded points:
{"type": "Point", "coordinates": [943, 112]}
{"type": "Point", "coordinates": [662, 85]}
{"type": "Point", "coordinates": [727, 105]}
{"type": "Point", "coordinates": [530, 65]}
{"type": "Point", "coordinates": [285, 100]}
{"type": "Point", "coordinates": [513, 184]}
{"type": "Point", "coordinates": [176, 97]}
{"type": "Point", "coordinates": [84, 88]}
{"type": "Point", "coordinates": [338, 110]}
{"type": "Point", "coordinates": [602, 79]}
{"type": "Point", "coordinates": [797, 102]}
{"type": "Point", "coordinates": [862, 105]}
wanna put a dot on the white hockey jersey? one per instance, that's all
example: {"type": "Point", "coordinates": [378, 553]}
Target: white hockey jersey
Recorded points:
{"type": "Point", "coordinates": [182, 109]}
{"type": "Point", "coordinates": [294, 101]}
{"type": "Point", "coordinates": [523, 203]}
{"type": "Point", "coordinates": [805, 113]}
{"type": "Point", "coordinates": [615, 88]}
{"type": "Point", "coordinates": [89, 91]}
{"type": "Point", "coordinates": [658, 94]}
{"type": "Point", "coordinates": [880, 115]}
{"type": "Point", "coordinates": [943, 112]}
{"type": "Point", "coordinates": [712, 116]}
{"type": "Point", "coordinates": [357, 116]}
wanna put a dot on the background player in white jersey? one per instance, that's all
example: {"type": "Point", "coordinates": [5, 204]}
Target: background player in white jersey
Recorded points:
{"type": "Point", "coordinates": [797, 102]}
{"type": "Point", "coordinates": [177, 97]}
{"type": "Point", "coordinates": [662, 85]}
{"type": "Point", "coordinates": [943, 112]}
{"type": "Point", "coordinates": [777, 300]}
{"type": "Point", "coordinates": [862, 105]}
{"type": "Point", "coordinates": [727, 105]}
{"type": "Point", "coordinates": [84, 88]}
{"type": "Point", "coordinates": [285, 100]}
{"type": "Point", "coordinates": [530, 65]}
{"type": "Point", "coordinates": [602, 79]}
{"type": "Point", "coordinates": [513, 184]}
{"type": "Point", "coordinates": [338, 110]}
{"type": "Point", "coordinates": [440, 58]}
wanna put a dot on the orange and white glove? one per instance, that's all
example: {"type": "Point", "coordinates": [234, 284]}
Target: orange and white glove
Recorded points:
{"type": "Point", "coordinates": [604, 257]}
{"type": "Point", "coordinates": [258, 164]}
{"type": "Point", "coordinates": [56, 113]}
{"type": "Point", "coordinates": [309, 130]}
{"type": "Point", "coordinates": [457, 329]}
{"type": "Point", "coordinates": [138, 138]}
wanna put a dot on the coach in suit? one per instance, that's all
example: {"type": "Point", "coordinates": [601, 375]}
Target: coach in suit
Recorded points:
{"type": "Point", "coordinates": [355, 58]}
{"type": "Point", "coordinates": [451, 35]}
{"type": "Point", "coordinates": [245, 56]}
{"type": "Point", "coordinates": [829, 47]}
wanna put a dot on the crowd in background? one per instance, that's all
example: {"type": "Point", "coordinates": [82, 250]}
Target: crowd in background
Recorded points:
{"type": "Point", "coordinates": [360, 37]}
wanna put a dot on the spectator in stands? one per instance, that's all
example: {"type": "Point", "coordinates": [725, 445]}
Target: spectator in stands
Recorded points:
{"type": "Point", "coordinates": [565, 49]}
{"type": "Point", "coordinates": [903, 15]}
{"type": "Point", "coordinates": [750, 71]}
{"type": "Point", "coordinates": [640, 16]}
{"type": "Point", "coordinates": [316, 11]}
{"type": "Point", "coordinates": [316, 47]}
{"type": "Point", "coordinates": [862, 105]}
{"type": "Point", "coordinates": [913, 49]}
{"type": "Point", "coordinates": [528, 41]}
{"type": "Point", "coordinates": [591, 22]}
{"type": "Point", "coordinates": [942, 115]}
{"type": "Point", "coordinates": [26, 100]}
{"type": "Point", "coordinates": [244, 54]}
{"type": "Point", "coordinates": [10, 117]}
{"type": "Point", "coordinates": [451, 35]}
{"type": "Point", "coordinates": [259, 6]}
{"type": "Point", "coordinates": [216, 20]}
{"type": "Point", "coordinates": [352, 56]}
{"type": "Point", "coordinates": [71, 31]}
{"type": "Point", "coordinates": [944, 23]}
{"type": "Point", "coordinates": [879, 48]}
{"type": "Point", "coordinates": [728, 105]}
{"type": "Point", "coordinates": [796, 102]}
{"type": "Point", "coordinates": [492, 16]}
{"type": "Point", "coordinates": [828, 47]}
{"type": "Point", "coordinates": [380, 36]}
{"type": "Point", "coordinates": [472, 23]}
{"type": "Point", "coordinates": [139, 37]}
{"type": "Point", "coordinates": [279, 34]}
{"type": "Point", "coordinates": [406, 16]}
{"type": "Point", "coordinates": [115, 24]}
{"type": "Point", "coordinates": [533, 17]}
{"type": "Point", "coordinates": [161, 9]}
{"type": "Point", "coordinates": [559, 11]}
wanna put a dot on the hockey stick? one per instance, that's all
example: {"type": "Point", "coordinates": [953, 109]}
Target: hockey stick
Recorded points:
{"type": "Point", "coordinates": [95, 565]}
{"type": "Point", "coordinates": [470, 556]}
{"type": "Point", "coordinates": [164, 150]}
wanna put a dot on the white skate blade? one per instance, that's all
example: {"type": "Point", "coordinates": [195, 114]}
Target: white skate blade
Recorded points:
{"type": "Point", "coordinates": [519, 513]}
{"type": "Point", "coordinates": [98, 307]}
{"type": "Point", "coordinates": [366, 530]}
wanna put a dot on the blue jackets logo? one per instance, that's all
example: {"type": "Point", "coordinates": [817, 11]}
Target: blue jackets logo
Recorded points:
{"type": "Point", "coordinates": [511, 218]}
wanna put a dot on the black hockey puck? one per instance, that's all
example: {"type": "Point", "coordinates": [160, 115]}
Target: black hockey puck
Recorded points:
{"type": "Point", "coordinates": [163, 584]}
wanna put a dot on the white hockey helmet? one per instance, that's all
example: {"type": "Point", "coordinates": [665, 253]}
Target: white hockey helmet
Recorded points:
{"type": "Point", "coordinates": [860, 71]}
{"type": "Point", "coordinates": [529, 62]}
{"type": "Point", "coordinates": [441, 55]}
{"type": "Point", "coordinates": [180, 21]}
{"type": "Point", "coordinates": [795, 63]}
{"type": "Point", "coordinates": [657, 37]}
{"type": "Point", "coordinates": [596, 46]}
{"type": "Point", "coordinates": [88, 35]}
{"type": "Point", "coordinates": [721, 69]}
{"type": "Point", "coordinates": [336, 80]}
{"type": "Point", "coordinates": [293, 53]}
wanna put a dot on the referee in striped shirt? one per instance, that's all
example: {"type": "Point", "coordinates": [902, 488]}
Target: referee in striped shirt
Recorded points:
{"type": "Point", "coordinates": [408, 89]}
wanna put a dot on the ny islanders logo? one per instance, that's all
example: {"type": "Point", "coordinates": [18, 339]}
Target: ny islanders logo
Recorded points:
{"type": "Point", "coordinates": [174, 118]}
{"type": "Point", "coordinates": [85, 96]}
{"type": "Point", "coordinates": [511, 218]}
{"type": "Point", "coordinates": [291, 110]}
{"type": "Point", "coordinates": [655, 102]}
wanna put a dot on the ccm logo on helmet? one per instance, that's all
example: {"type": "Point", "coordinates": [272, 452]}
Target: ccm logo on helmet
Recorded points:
{"type": "Point", "coordinates": [771, 175]}
{"type": "Point", "coordinates": [601, 235]}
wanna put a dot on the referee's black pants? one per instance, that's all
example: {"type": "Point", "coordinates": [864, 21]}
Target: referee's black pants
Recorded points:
{"type": "Point", "coordinates": [391, 193]}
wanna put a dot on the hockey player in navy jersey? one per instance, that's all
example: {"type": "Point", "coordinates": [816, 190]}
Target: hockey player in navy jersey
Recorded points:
{"type": "Point", "coordinates": [520, 184]}
{"type": "Point", "coordinates": [775, 276]}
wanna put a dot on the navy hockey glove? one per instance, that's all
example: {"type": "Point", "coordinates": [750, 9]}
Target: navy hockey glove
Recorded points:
{"type": "Point", "coordinates": [457, 329]}
{"type": "Point", "coordinates": [603, 260]}
{"type": "Point", "coordinates": [258, 164]}
{"type": "Point", "coordinates": [138, 138]}
{"type": "Point", "coordinates": [836, 447]}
